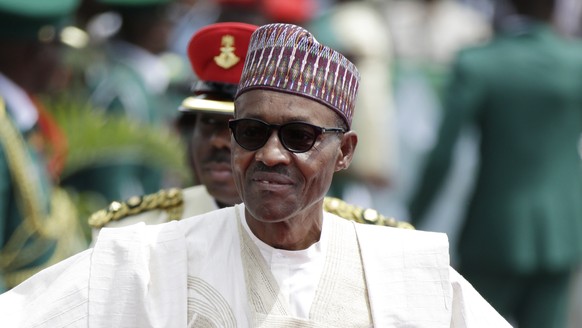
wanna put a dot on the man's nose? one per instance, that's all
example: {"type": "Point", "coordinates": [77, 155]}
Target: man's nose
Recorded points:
{"type": "Point", "coordinates": [273, 152]}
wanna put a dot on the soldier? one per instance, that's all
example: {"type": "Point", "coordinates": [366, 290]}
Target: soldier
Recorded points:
{"type": "Point", "coordinates": [519, 242]}
{"type": "Point", "coordinates": [38, 224]}
{"type": "Point", "coordinates": [129, 79]}
{"type": "Point", "coordinates": [217, 53]}
{"type": "Point", "coordinates": [133, 78]}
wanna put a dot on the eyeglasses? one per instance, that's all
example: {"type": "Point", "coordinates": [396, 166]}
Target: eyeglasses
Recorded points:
{"type": "Point", "coordinates": [296, 137]}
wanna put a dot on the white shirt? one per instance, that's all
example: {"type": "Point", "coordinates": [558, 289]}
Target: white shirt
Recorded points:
{"type": "Point", "coordinates": [297, 272]}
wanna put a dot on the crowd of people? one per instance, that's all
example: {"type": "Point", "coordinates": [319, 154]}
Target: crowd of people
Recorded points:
{"type": "Point", "coordinates": [234, 163]}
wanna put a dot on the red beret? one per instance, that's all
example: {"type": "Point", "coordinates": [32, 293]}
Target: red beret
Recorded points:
{"type": "Point", "coordinates": [217, 51]}
{"type": "Point", "coordinates": [217, 54]}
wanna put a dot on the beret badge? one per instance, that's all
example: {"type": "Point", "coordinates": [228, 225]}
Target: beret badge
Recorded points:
{"type": "Point", "coordinates": [227, 57]}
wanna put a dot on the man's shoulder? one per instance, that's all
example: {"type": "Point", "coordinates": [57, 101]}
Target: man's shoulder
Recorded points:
{"type": "Point", "coordinates": [147, 208]}
{"type": "Point", "coordinates": [359, 214]}
{"type": "Point", "coordinates": [384, 232]}
{"type": "Point", "coordinates": [142, 234]}
{"type": "Point", "coordinates": [162, 206]}
{"type": "Point", "coordinates": [404, 239]}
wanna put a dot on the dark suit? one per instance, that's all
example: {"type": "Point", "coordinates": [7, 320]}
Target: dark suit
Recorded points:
{"type": "Point", "coordinates": [523, 92]}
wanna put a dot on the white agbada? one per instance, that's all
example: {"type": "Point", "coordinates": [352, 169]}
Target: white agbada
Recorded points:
{"type": "Point", "coordinates": [192, 271]}
{"type": "Point", "coordinates": [296, 272]}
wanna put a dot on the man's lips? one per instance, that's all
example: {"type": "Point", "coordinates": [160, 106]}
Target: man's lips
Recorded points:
{"type": "Point", "coordinates": [272, 179]}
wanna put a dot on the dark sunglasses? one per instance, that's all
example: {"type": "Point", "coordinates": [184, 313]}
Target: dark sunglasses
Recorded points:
{"type": "Point", "coordinates": [296, 137]}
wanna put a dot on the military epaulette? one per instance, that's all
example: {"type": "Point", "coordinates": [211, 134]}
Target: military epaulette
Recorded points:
{"type": "Point", "coordinates": [355, 213]}
{"type": "Point", "coordinates": [169, 200]}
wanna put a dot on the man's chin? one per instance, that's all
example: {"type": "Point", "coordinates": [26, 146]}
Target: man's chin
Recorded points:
{"type": "Point", "coordinates": [271, 211]}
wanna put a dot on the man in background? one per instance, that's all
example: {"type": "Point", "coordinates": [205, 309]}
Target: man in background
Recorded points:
{"type": "Point", "coordinates": [128, 79]}
{"type": "Point", "coordinates": [520, 240]}
{"type": "Point", "coordinates": [38, 223]}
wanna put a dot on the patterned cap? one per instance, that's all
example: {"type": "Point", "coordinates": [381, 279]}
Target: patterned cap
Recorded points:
{"type": "Point", "coordinates": [217, 54]}
{"type": "Point", "coordinates": [287, 58]}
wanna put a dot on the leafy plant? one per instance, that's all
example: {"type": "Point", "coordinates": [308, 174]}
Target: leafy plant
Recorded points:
{"type": "Point", "coordinates": [95, 137]}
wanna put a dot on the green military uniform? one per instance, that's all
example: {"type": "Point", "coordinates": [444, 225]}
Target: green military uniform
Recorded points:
{"type": "Point", "coordinates": [524, 220]}
{"type": "Point", "coordinates": [38, 223]}
{"type": "Point", "coordinates": [39, 226]}
{"type": "Point", "coordinates": [119, 85]}
{"type": "Point", "coordinates": [130, 82]}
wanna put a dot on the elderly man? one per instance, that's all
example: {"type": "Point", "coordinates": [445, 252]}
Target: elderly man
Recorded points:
{"type": "Point", "coordinates": [217, 54]}
{"type": "Point", "coordinates": [278, 260]}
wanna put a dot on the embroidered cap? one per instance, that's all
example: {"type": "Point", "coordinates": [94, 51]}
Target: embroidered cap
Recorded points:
{"type": "Point", "coordinates": [287, 58]}
{"type": "Point", "coordinates": [217, 54]}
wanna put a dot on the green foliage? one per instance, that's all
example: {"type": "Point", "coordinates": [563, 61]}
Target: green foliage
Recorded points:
{"type": "Point", "coordinates": [94, 137]}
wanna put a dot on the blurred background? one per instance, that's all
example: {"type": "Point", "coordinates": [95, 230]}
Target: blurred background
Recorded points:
{"type": "Point", "coordinates": [112, 103]}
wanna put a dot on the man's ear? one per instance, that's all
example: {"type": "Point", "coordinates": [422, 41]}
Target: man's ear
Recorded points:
{"type": "Point", "coordinates": [347, 148]}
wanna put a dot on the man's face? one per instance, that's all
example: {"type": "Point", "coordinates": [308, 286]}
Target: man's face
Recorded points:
{"type": "Point", "coordinates": [210, 147]}
{"type": "Point", "coordinates": [275, 183]}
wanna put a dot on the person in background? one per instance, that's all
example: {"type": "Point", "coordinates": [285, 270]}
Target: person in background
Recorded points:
{"type": "Point", "coordinates": [278, 259]}
{"type": "Point", "coordinates": [520, 239]}
{"type": "Point", "coordinates": [374, 165]}
{"type": "Point", "coordinates": [38, 223]}
{"type": "Point", "coordinates": [133, 78]}
{"type": "Point", "coordinates": [128, 80]}
{"type": "Point", "coordinates": [426, 35]}
{"type": "Point", "coordinates": [217, 53]}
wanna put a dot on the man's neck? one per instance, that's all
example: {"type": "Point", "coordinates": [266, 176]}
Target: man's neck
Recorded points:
{"type": "Point", "coordinates": [296, 233]}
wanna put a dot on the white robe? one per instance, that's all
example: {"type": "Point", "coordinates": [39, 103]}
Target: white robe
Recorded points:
{"type": "Point", "coordinates": [138, 276]}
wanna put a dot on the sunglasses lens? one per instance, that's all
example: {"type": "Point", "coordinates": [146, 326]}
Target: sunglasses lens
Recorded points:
{"type": "Point", "coordinates": [298, 137]}
{"type": "Point", "coordinates": [251, 134]}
